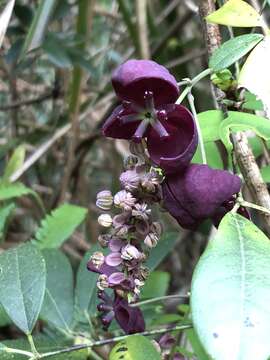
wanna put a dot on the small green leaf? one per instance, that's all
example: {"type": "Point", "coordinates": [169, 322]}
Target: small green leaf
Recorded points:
{"type": "Point", "coordinates": [23, 279]}
{"type": "Point", "coordinates": [251, 102]}
{"type": "Point", "coordinates": [236, 13]}
{"type": "Point", "coordinates": [59, 226]}
{"type": "Point", "coordinates": [135, 347]}
{"type": "Point", "coordinates": [255, 75]}
{"type": "Point", "coordinates": [232, 50]}
{"type": "Point", "coordinates": [10, 191]}
{"type": "Point", "coordinates": [5, 18]}
{"type": "Point", "coordinates": [15, 162]}
{"type": "Point", "coordinates": [39, 26]}
{"type": "Point", "coordinates": [265, 171]}
{"type": "Point", "coordinates": [57, 306]}
{"type": "Point", "coordinates": [209, 123]}
{"type": "Point", "coordinates": [164, 246]}
{"type": "Point", "coordinates": [156, 285]}
{"type": "Point", "coordinates": [232, 320]}
{"type": "Point", "coordinates": [239, 121]}
{"type": "Point", "coordinates": [5, 212]}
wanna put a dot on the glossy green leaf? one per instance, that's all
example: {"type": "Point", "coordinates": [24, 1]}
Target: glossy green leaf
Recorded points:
{"type": "Point", "coordinates": [231, 317]}
{"type": "Point", "coordinates": [232, 50]}
{"type": "Point", "coordinates": [236, 13]}
{"type": "Point", "coordinates": [239, 121]}
{"type": "Point", "coordinates": [15, 162]}
{"type": "Point", "coordinates": [265, 171]}
{"type": "Point", "coordinates": [5, 18]}
{"type": "Point", "coordinates": [135, 347]}
{"type": "Point", "coordinates": [209, 123]}
{"type": "Point", "coordinates": [255, 75]}
{"type": "Point", "coordinates": [156, 285]}
{"type": "Point", "coordinates": [23, 280]}
{"type": "Point", "coordinates": [59, 226]}
{"type": "Point", "coordinates": [39, 26]}
{"type": "Point", "coordinates": [212, 155]}
{"type": "Point", "coordinates": [57, 307]}
{"type": "Point", "coordinates": [164, 246]}
{"type": "Point", "coordinates": [251, 102]}
{"type": "Point", "coordinates": [5, 212]}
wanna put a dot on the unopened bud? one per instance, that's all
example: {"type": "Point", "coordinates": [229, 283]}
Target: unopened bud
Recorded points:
{"type": "Point", "coordinates": [130, 161]}
{"type": "Point", "coordinates": [102, 282]}
{"type": "Point", "coordinates": [130, 252]}
{"type": "Point", "coordinates": [105, 220]}
{"type": "Point", "coordinates": [98, 259]}
{"type": "Point", "coordinates": [130, 180]}
{"type": "Point", "coordinates": [104, 240]}
{"type": "Point", "coordinates": [104, 200]}
{"type": "Point", "coordinates": [124, 200]}
{"type": "Point", "coordinates": [151, 240]}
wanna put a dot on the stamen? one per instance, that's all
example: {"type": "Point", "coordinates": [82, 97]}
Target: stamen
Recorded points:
{"type": "Point", "coordinates": [129, 118]}
{"type": "Point", "coordinates": [160, 129]}
{"type": "Point", "coordinates": [139, 134]}
{"type": "Point", "coordinates": [149, 101]}
{"type": "Point", "coordinates": [162, 115]}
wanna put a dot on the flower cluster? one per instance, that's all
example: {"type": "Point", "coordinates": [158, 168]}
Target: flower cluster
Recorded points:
{"type": "Point", "coordinates": [191, 193]}
{"type": "Point", "coordinates": [132, 233]}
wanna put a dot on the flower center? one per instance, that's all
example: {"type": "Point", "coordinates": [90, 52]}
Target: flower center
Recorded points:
{"type": "Point", "coordinates": [147, 116]}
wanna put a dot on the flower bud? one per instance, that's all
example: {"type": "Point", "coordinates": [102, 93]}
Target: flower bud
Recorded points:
{"type": "Point", "coordinates": [104, 200]}
{"type": "Point", "coordinates": [130, 180]}
{"type": "Point", "coordinates": [151, 240]}
{"type": "Point", "coordinates": [130, 252]}
{"type": "Point", "coordinates": [105, 220]}
{"type": "Point", "coordinates": [102, 282]}
{"type": "Point", "coordinates": [124, 200]}
{"type": "Point", "coordinates": [97, 259]}
{"type": "Point", "coordinates": [104, 240]}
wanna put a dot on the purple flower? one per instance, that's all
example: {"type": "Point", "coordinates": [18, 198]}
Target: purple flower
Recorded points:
{"type": "Point", "coordinates": [198, 193]}
{"type": "Point", "coordinates": [130, 319]}
{"type": "Point", "coordinates": [148, 92]}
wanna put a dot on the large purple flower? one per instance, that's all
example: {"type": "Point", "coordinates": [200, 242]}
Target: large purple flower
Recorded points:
{"type": "Point", "coordinates": [148, 93]}
{"type": "Point", "coordinates": [199, 193]}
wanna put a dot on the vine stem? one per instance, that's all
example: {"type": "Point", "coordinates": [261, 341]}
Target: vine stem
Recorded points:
{"type": "Point", "coordinates": [17, 351]}
{"type": "Point", "coordinates": [191, 83]}
{"type": "Point", "coordinates": [160, 298]}
{"type": "Point", "coordinates": [35, 354]}
{"type": "Point", "coordinates": [113, 340]}
{"type": "Point", "coordinates": [194, 112]}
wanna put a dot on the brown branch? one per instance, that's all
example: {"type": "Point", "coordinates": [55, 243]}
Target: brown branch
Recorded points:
{"type": "Point", "coordinates": [244, 155]}
{"type": "Point", "coordinates": [18, 104]}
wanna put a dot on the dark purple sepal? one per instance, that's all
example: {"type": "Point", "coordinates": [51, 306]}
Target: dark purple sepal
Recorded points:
{"type": "Point", "coordinates": [130, 319]}
{"type": "Point", "coordinates": [175, 152]}
{"type": "Point", "coordinates": [134, 77]}
{"type": "Point", "coordinates": [198, 193]}
{"type": "Point", "coordinates": [114, 127]}
{"type": "Point", "coordinates": [103, 269]}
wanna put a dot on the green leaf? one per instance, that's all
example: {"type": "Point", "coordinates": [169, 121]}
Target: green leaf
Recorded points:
{"type": "Point", "coordinates": [238, 121]}
{"type": "Point", "coordinates": [265, 171]}
{"type": "Point", "coordinates": [196, 344]}
{"type": "Point", "coordinates": [10, 191]}
{"type": "Point", "coordinates": [255, 75]}
{"type": "Point", "coordinates": [56, 52]}
{"type": "Point", "coordinates": [251, 102]}
{"type": "Point", "coordinates": [39, 26]}
{"type": "Point", "coordinates": [86, 287]}
{"type": "Point", "coordinates": [231, 319]}
{"type": "Point", "coordinates": [57, 306]}
{"type": "Point", "coordinates": [5, 212]}
{"type": "Point", "coordinates": [23, 279]}
{"type": "Point", "coordinates": [209, 123]}
{"type": "Point", "coordinates": [212, 155]}
{"type": "Point", "coordinates": [59, 226]}
{"type": "Point", "coordinates": [232, 50]}
{"type": "Point", "coordinates": [156, 285]}
{"type": "Point", "coordinates": [15, 162]}
{"type": "Point", "coordinates": [236, 13]}
{"type": "Point", "coordinates": [135, 347]}
{"type": "Point", "coordinates": [5, 18]}
{"type": "Point", "coordinates": [164, 246]}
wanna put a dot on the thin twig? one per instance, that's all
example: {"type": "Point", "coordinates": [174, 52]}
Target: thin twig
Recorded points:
{"type": "Point", "coordinates": [142, 29]}
{"type": "Point", "coordinates": [160, 298]}
{"type": "Point", "coordinates": [28, 102]}
{"type": "Point", "coordinates": [115, 339]}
